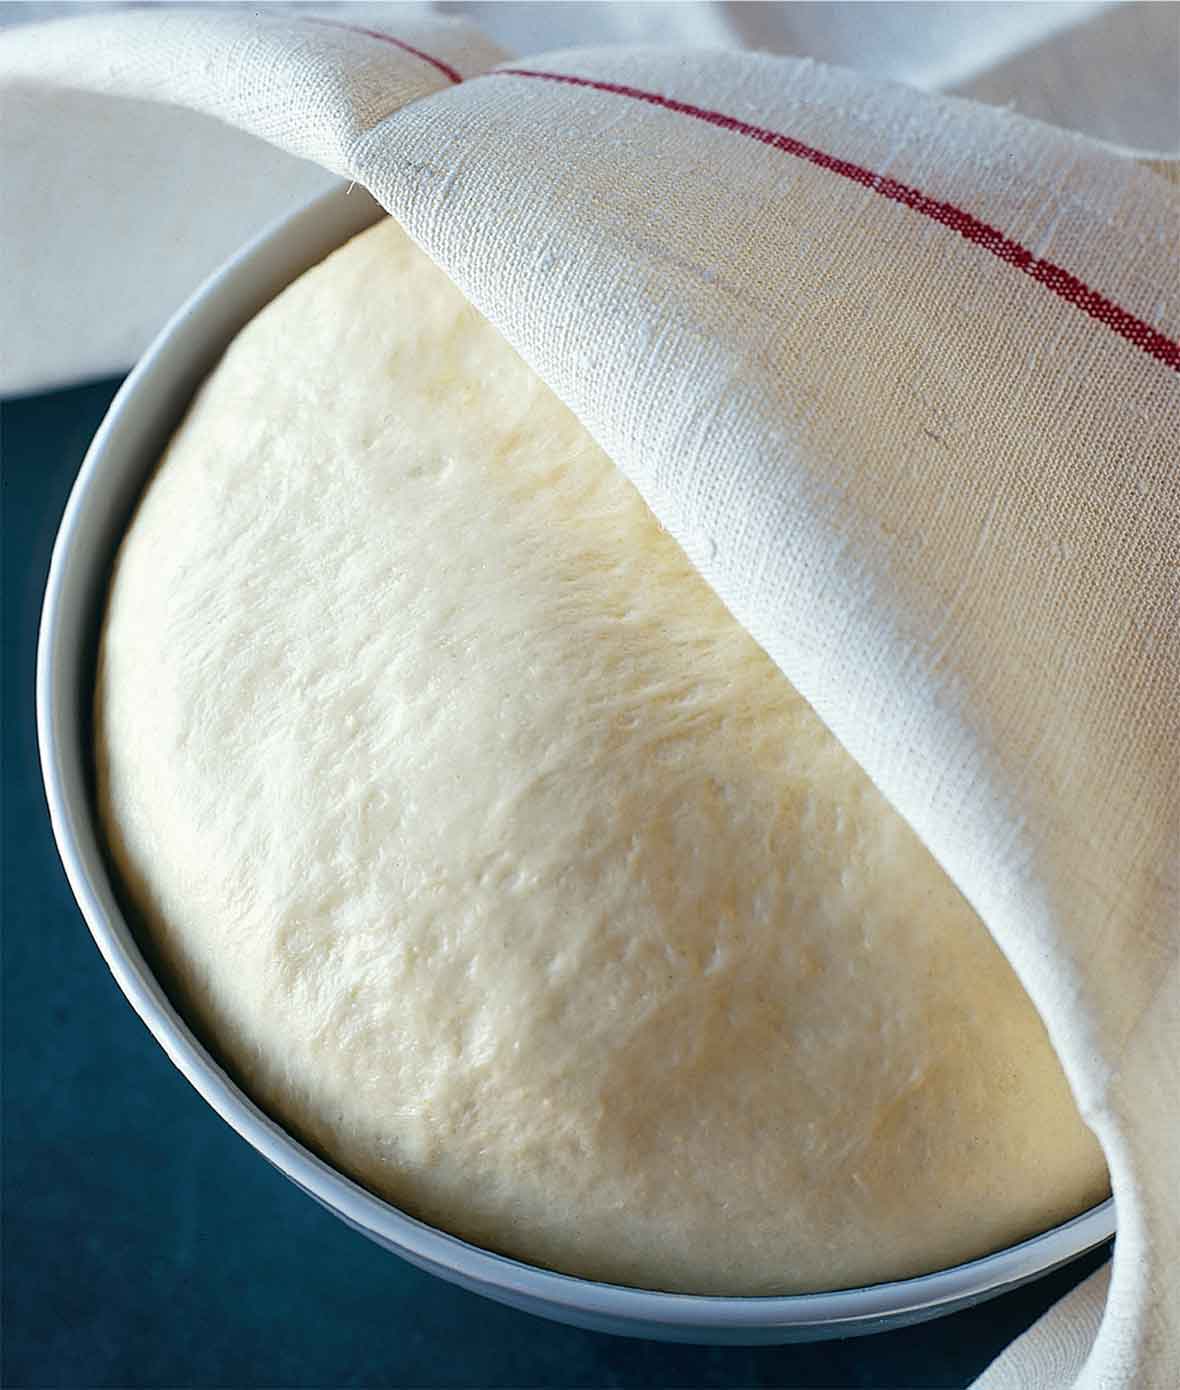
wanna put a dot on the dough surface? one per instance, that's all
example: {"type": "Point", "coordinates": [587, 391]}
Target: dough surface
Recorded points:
{"type": "Point", "coordinates": [500, 864]}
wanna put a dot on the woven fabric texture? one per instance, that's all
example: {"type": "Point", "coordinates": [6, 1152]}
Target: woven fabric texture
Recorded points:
{"type": "Point", "coordinates": [901, 373]}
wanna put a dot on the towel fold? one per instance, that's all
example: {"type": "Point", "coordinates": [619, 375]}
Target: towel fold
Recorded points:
{"type": "Point", "coordinates": [901, 373]}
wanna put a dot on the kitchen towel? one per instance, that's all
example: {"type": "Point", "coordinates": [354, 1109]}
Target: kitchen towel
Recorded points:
{"type": "Point", "coordinates": [100, 185]}
{"type": "Point", "coordinates": [901, 373]}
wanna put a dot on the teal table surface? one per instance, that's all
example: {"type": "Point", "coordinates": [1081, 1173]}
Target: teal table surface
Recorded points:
{"type": "Point", "coordinates": [144, 1244]}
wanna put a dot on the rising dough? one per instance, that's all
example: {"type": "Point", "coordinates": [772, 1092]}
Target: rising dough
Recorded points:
{"type": "Point", "coordinates": [501, 864]}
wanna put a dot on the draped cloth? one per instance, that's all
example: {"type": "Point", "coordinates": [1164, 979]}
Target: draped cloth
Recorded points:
{"type": "Point", "coordinates": [901, 373]}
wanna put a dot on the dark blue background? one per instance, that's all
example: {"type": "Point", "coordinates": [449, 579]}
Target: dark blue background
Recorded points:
{"type": "Point", "coordinates": [145, 1245]}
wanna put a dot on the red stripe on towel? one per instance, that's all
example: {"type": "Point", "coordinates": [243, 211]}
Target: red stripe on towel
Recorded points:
{"type": "Point", "coordinates": [1053, 277]}
{"type": "Point", "coordinates": [444, 68]}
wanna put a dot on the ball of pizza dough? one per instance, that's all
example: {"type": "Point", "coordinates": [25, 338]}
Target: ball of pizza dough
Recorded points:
{"type": "Point", "coordinates": [500, 864]}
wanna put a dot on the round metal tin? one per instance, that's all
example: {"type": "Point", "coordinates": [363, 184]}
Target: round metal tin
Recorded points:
{"type": "Point", "coordinates": [124, 451]}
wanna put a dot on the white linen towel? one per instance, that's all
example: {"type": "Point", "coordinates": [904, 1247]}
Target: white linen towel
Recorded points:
{"type": "Point", "coordinates": [902, 375]}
